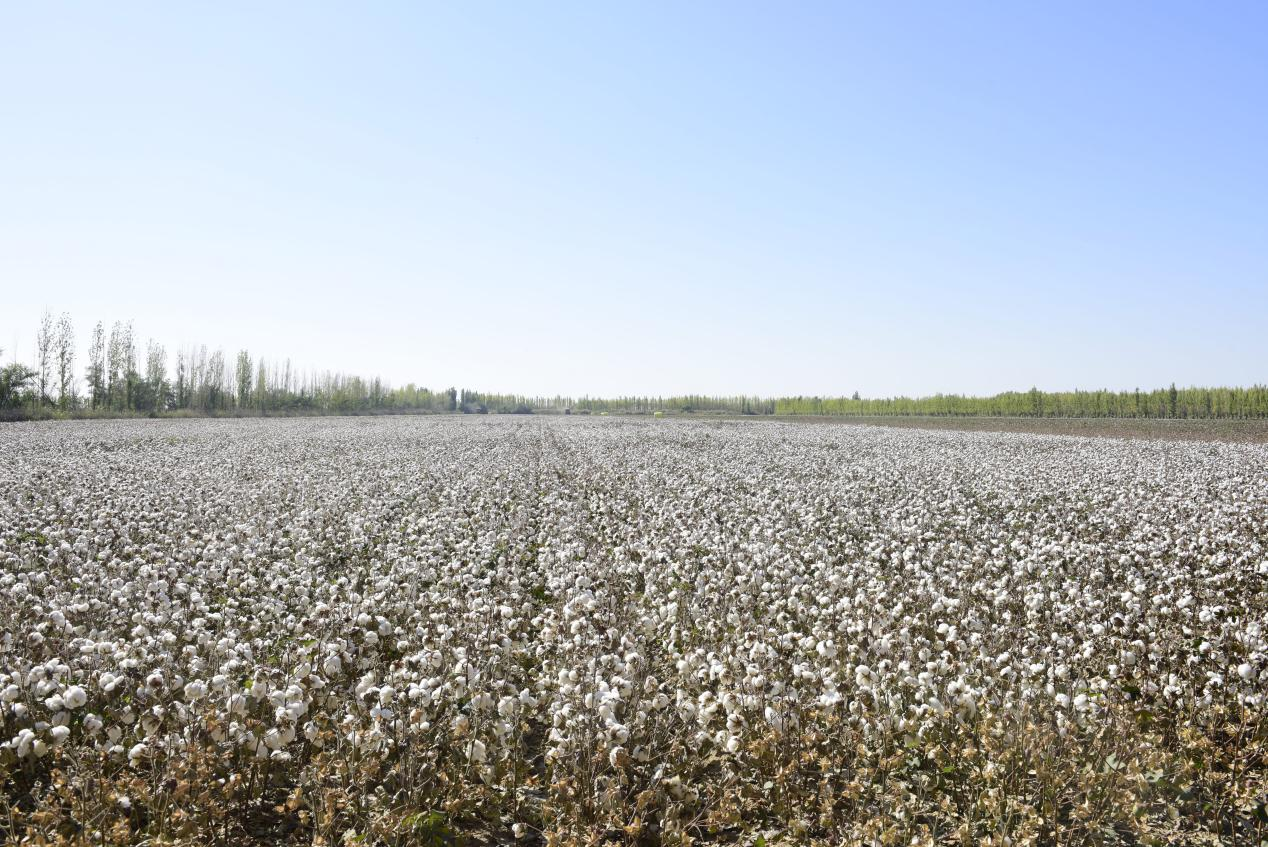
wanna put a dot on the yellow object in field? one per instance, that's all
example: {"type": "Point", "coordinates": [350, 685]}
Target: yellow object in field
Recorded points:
{"type": "Point", "coordinates": [658, 414]}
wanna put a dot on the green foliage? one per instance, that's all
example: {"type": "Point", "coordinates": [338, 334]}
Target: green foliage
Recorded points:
{"type": "Point", "coordinates": [1199, 403]}
{"type": "Point", "coordinates": [429, 829]}
{"type": "Point", "coordinates": [14, 380]}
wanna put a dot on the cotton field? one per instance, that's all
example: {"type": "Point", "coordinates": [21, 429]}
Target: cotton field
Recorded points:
{"type": "Point", "coordinates": [575, 631]}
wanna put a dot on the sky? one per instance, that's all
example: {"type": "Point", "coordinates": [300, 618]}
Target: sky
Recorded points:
{"type": "Point", "coordinates": [650, 199]}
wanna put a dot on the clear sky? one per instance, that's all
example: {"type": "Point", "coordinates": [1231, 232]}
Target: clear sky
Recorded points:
{"type": "Point", "coordinates": [614, 198]}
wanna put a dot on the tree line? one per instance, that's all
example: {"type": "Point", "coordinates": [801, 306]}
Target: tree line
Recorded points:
{"type": "Point", "coordinates": [119, 378]}
{"type": "Point", "coordinates": [1171, 402]}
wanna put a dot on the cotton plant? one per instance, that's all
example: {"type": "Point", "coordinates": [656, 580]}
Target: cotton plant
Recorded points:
{"type": "Point", "coordinates": [565, 628]}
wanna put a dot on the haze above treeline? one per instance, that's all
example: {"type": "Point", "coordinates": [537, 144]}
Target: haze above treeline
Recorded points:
{"type": "Point", "coordinates": [115, 377]}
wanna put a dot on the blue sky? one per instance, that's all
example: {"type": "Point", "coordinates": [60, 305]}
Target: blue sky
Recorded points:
{"type": "Point", "coordinates": [650, 198]}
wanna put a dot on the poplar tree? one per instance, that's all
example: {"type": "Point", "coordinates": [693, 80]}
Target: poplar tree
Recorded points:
{"type": "Point", "coordinates": [156, 386]}
{"type": "Point", "coordinates": [65, 362]}
{"type": "Point", "coordinates": [97, 366]}
{"type": "Point", "coordinates": [243, 376]}
{"type": "Point", "coordinates": [44, 354]}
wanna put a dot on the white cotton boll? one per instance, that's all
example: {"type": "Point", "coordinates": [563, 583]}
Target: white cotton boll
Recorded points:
{"type": "Point", "coordinates": [59, 734]}
{"type": "Point", "coordinates": [195, 690]}
{"type": "Point", "coordinates": [54, 703]}
{"type": "Point", "coordinates": [74, 697]}
{"type": "Point", "coordinates": [278, 737]}
{"type": "Point", "coordinates": [476, 751]}
{"type": "Point", "coordinates": [21, 743]}
{"type": "Point", "coordinates": [137, 753]}
{"type": "Point", "coordinates": [386, 695]}
{"type": "Point", "coordinates": [1245, 671]}
{"type": "Point", "coordinates": [365, 684]}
